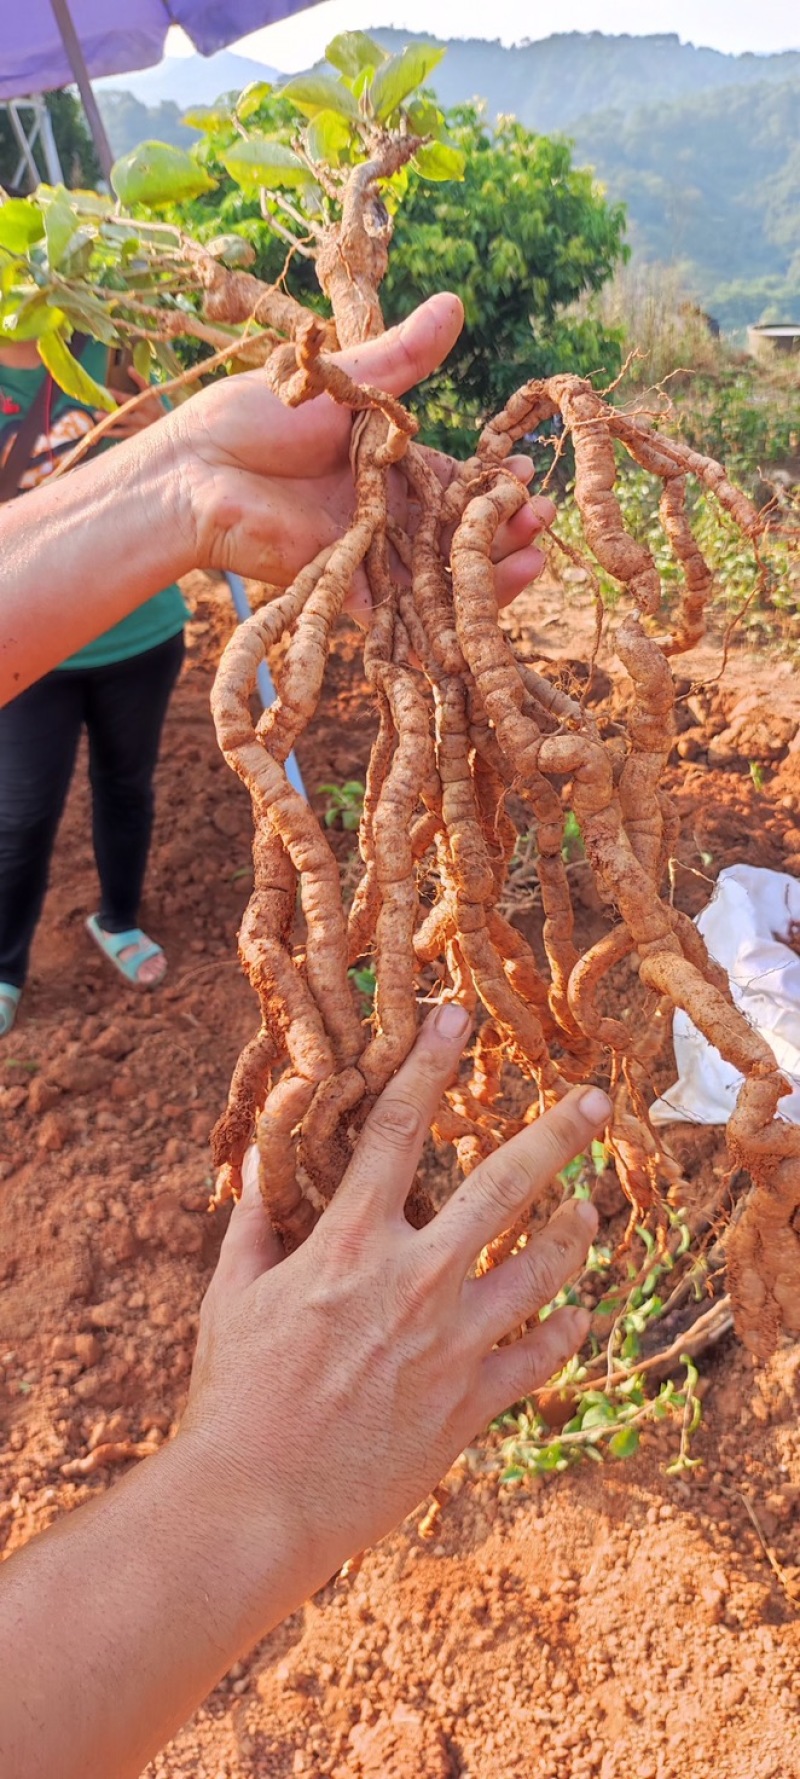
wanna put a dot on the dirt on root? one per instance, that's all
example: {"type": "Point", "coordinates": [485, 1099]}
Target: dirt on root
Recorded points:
{"type": "Point", "coordinates": [611, 1622]}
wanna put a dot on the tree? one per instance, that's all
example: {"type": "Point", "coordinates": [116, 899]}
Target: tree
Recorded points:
{"type": "Point", "coordinates": [521, 237]}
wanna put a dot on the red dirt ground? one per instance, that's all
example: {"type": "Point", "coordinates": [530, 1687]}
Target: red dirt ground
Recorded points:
{"type": "Point", "coordinates": [614, 1622]}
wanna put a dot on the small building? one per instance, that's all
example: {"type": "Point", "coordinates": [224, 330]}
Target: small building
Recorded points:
{"type": "Point", "coordinates": [770, 337]}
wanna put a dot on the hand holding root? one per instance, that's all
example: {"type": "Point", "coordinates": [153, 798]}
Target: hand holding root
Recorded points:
{"type": "Point", "coordinates": [461, 722]}
{"type": "Point", "coordinates": [353, 1372]}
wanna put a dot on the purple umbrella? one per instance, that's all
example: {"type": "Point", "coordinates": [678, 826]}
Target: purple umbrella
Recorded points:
{"type": "Point", "coordinates": [50, 43]}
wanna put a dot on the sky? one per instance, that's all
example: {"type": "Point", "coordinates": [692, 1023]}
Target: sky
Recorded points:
{"type": "Point", "coordinates": [761, 26]}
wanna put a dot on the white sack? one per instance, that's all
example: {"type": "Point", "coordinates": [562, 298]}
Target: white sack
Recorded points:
{"type": "Point", "coordinates": [745, 926]}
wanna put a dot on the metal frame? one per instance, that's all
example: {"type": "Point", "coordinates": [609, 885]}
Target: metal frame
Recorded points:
{"type": "Point", "coordinates": [38, 129]}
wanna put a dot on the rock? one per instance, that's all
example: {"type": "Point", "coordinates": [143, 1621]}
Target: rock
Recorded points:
{"type": "Point", "coordinates": [165, 1225]}
{"type": "Point", "coordinates": [122, 1087]}
{"type": "Point", "coordinates": [79, 1073]}
{"type": "Point", "coordinates": [54, 1132]}
{"type": "Point", "coordinates": [62, 1347]}
{"type": "Point", "coordinates": [106, 1315]}
{"type": "Point", "coordinates": [87, 1348]}
{"type": "Point", "coordinates": [41, 1096]}
{"type": "Point", "coordinates": [119, 1242]}
{"type": "Point", "coordinates": [12, 1099]}
{"type": "Point", "coordinates": [113, 1042]}
{"type": "Point", "coordinates": [402, 1746]}
{"type": "Point", "coordinates": [714, 1601]}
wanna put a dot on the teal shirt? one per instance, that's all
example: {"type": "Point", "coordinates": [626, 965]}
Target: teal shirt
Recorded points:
{"type": "Point", "coordinates": [68, 421]}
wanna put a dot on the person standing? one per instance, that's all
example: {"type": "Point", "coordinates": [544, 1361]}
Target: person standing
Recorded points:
{"type": "Point", "coordinates": [117, 689]}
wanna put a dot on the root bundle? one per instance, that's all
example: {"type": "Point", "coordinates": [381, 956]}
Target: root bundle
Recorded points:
{"type": "Point", "coordinates": [462, 722]}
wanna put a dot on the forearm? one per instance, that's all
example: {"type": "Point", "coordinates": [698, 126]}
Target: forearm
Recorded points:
{"type": "Point", "coordinates": [81, 552]}
{"type": "Point", "coordinates": [116, 1623]}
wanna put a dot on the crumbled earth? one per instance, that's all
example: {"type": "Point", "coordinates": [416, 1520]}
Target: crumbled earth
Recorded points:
{"type": "Point", "coordinates": [616, 1621]}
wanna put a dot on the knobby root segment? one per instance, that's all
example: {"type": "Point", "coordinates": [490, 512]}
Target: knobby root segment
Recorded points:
{"type": "Point", "coordinates": [464, 731]}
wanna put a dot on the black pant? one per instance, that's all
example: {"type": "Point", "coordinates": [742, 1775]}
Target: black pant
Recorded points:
{"type": "Point", "coordinates": [122, 708]}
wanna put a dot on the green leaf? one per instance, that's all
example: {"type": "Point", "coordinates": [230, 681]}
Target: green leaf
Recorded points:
{"type": "Point", "coordinates": [252, 98]}
{"type": "Point", "coordinates": [318, 92]}
{"type": "Point", "coordinates": [549, 1456]}
{"type": "Point", "coordinates": [424, 118]}
{"type": "Point", "coordinates": [32, 317]}
{"type": "Point", "coordinates": [143, 359]}
{"type": "Point", "coordinates": [70, 375]}
{"type": "Point", "coordinates": [21, 224]}
{"type": "Point", "coordinates": [327, 137]}
{"type": "Point", "coordinates": [598, 1415]}
{"type": "Point", "coordinates": [401, 75]}
{"type": "Point", "coordinates": [154, 174]}
{"type": "Point", "coordinates": [207, 118]}
{"type": "Point", "coordinates": [86, 314]}
{"type": "Point", "coordinates": [262, 161]}
{"type": "Point", "coordinates": [624, 1443]}
{"type": "Point", "coordinates": [352, 52]}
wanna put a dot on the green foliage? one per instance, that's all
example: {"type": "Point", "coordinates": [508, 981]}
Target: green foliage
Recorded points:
{"type": "Point", "coordinates": [608, 1397]}
{"type": "Point", "coordinates": [747, 592]}
{"type": "Point", "coordinates": [345, 804]}
{"type": "Point", "coordinates": [263, 161]}
{"type": "Point", "coordinates": [710, 183]}
{"type": "Point", "coordinates": [539, 234]}
{"type": "Point", "coordinates": [572, 847]}
{"type": "Point", "coordinates": [70, 374]}
{"type": "Point", "coordinates": [366, 983]}
{"type": "Point", "coordinates": [155, 175]}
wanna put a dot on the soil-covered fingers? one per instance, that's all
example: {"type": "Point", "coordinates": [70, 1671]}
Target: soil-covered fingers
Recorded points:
{"type": "Point", "coordinates": [510, 1294]}
{"type": "Point", "coordinates": [503, 1187]}
{"type": "Point", "coordinates": [514, 1371]}
{"type": "Point", "coordinates": [387, 1154]}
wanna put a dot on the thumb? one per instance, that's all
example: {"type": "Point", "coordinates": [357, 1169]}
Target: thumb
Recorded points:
{"type": "Point", "coordinates": [408, 353]}
{"type": "Point", "coordinates": [251, 1246]}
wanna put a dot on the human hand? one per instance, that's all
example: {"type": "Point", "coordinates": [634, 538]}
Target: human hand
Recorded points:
{"type": "Point", "coordinates": [137, 419]}
{"type": "Point", "coordinates": [333, 1389]}
{"type": "Point", "coordinates": [266, 487]}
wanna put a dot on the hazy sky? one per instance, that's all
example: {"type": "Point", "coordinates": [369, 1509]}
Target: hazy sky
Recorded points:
{"type": "Point", "coordinates": [733, 25]}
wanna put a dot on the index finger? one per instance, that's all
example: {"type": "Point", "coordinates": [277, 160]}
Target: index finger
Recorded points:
{"type": "Point", "coordinates": [388, 1151]}
{"type": "Point", "coordinates": [503, 1187]}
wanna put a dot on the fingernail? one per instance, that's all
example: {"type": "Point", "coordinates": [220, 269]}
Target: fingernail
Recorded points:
{"type": "Point", "coordinates": [451, 1020]}
{"type": "Point", "coordinates": [595, 1106]}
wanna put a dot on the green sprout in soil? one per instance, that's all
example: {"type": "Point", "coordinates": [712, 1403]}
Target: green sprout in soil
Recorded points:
{"type": "Point", "coordinates": [345, 804]}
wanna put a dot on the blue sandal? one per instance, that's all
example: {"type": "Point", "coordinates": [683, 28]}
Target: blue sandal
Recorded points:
{"type": "Point", "coordinates": [9, 1002]}
{"type": "Point", "coordinates": [135, 941]}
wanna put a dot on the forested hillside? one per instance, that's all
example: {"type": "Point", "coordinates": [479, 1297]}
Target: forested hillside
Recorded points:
{"type": "Point", "coordinates": [703, 148]}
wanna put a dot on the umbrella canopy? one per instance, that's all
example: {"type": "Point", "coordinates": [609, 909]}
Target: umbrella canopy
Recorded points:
{"type": "Point", "coordinates": [116, 37]}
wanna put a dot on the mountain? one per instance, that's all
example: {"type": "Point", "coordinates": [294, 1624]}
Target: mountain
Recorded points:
{"type": "Point", "coordinates": [188, 80]}
{"type": "Point", "coordinates": [703, 148]}
{"type": "Point", "coordinates": [710, 184]}
{"type": "Point", "coordinates": [549, 84]}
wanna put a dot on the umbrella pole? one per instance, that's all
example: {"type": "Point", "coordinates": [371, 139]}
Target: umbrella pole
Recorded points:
{"type": "Point", "coordinates": [69, 38]}
{"type": "Point", "coordinates": [266, 690]}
